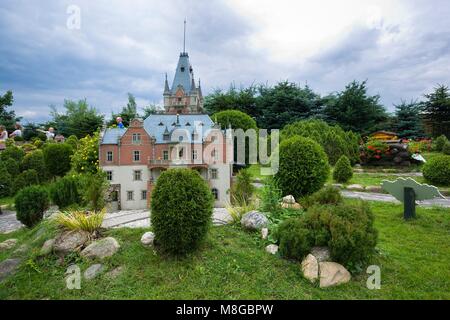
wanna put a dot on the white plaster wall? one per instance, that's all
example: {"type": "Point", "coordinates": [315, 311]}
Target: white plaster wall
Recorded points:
{"type": "Point", "coordinates": [222, 184]}
{"type": "Point", "coordinates": [124, 176]}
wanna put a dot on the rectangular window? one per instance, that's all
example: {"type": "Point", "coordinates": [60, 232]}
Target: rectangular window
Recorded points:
{"type": "Point", "coordinates": [136, 156]}
{"type": "Point", "coordinates": [109, 156]}
{"type": "Point", "coordinates": [214, 173]}
{"type": "Point", "coordinates": [194, 154]}
{"type": "Point", "coordinates": [166, 155]}
{"type": "Point", "coordinates": [215, 154]}
{"type": "Point", "coordinates": [137, 175]}
{"type": "Point", "coordinates": [144, 195]}
{"type": "Point", "coordinates": [136, 138]}
{"type": "Point", "coordinates": [130, 195]}
{"type": "Point", "coordinates": [109, 175]}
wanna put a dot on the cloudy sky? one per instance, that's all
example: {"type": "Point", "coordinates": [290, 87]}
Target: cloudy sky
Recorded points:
{"type": "Point", "coordinates": [401, 46]}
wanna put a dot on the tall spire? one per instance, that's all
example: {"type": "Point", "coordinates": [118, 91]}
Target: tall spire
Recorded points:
{"type": "Point", "coordinates": [166, 86]}
{"type": "Point", "coordinates": [184, 37]}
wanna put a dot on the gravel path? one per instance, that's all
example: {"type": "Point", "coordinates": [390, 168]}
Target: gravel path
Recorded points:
{"type": "Point", "coordinates": [9, 222]}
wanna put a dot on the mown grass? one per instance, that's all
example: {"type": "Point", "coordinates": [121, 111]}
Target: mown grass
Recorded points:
{"type": "Point", "coordinates": [232, 264]}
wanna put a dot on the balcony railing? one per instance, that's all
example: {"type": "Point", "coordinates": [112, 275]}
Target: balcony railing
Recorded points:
{"type": "Point", "coordinates": [176, 162]}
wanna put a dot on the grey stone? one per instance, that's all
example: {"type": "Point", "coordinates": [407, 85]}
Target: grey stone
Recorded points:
{"type": "Point", "coordinates": [310, 268]}
{"type": "Point", "coordinates": [21, 250]}
{"type": "Point", "coordinates": [338, 185]}
{"type": "Point", "coordinates": [289, 199]}
{"type": "Point", "coordinates": [51, 212]}
{"type": "Point", "coordinates": [70, 241]}
{"type": "Point", "coordinates": [115, 272]}
{"type": "Point", "coordinates": [272, 248]}
{"type": "Point", "coordinates": [374, 189]}
{"type": "Point", "coordinates": [8, 267]}
{"type": "Point", "coordinates": [148, 238]}
{"type": "Point", "coordinates": [355, 187]}
{"type": "Point", "coordinates": [322, 254]}
{"type": "Point", "coordinates": [47, 247]}
{"type": "Point", "coordinates": [264, 233]}
{"type": "Point", "coordinates": [101, 249]}
{"type": "Point", "coordinates": [333, 274]}
{"type": "Point", "coordinates": [254, 220]}
{"type": "Point", "coordinates": [8, 244]}
{"type": "Point", "coordinates": [93, 271]}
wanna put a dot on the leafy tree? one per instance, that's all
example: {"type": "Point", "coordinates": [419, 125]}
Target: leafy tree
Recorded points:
{"type": "Point", "coordinates": [30, 132]}
{"type": "Point", "coordinates": [243, 100]}
{"type": "Point", "coordinates": [85, 160]}
{"type": "Point", "coordinates": [353, 109]}
{"type": "Point", "coordinates": [285, 103]}
{"type": "Point", "coordinates": [7, 118]}
{"type": "Point", "coordinates": [79, 119]}
{"type": "Point", "coordinates": [149, 110]}
{"type": "Point", "coordinates": [407, 122]}
{"type": "Point", "coordinates": [128, 113]}
{"type": "Point", "coordinates": [436, 112]}
{"type": "Point", "coordinates": [237, 120]}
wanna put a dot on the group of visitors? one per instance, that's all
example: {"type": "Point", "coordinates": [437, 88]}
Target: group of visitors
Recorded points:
{"type": "Point", "coordinates": [18, 132]}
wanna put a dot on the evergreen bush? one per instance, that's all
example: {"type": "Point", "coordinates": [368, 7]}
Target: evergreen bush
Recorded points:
{"type": "Point", "coordinates": [64, 192]}
{"type": "Point", "coordinates": [57, 158]}
{"type": "Point", "coordinates": [30, 204]}
{"type": "Point", "coordinates": [25, 179]}
{"type": "Point", "coordinates": [181, 206]}
{"type": "Point", "coordinates": [35, 161]}
{"type": "Point", "coordinates": [343, 171]}
{"type": "Point", "coordinates": [437, 170]}
{"type": "Point", "coordinates": [439, 142]}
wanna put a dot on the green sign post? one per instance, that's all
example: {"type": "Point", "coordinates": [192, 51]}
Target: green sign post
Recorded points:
{"type": "Point", "coordinates": [408, 191]}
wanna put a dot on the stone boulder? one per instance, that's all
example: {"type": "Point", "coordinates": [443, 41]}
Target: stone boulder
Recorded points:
{"type": "Point", "coordinates": [101, 249]}
{"type": "Point", "coordinates": [70, 241]}
{"type": "Point", "coordinates": [148, 238]}
{"type": "Point", "coordinates": [93, 271]}
{"type": "Point", "coordinates": [289, 199]}
{"type": "Point", "coordinates": [254, 220]}
{"type": "Point", "coordinates": [296, 206]}
{"type": "Point", "coordinates": [333, 274]}
{"type": "Point", "coordinates": [50, 212]}
{"type": "Point", "coordinates": [8, 267]}
{"type": "Point", "coordinates": [355, 187]}
{"type": "Point", "coordinates": [264, 233]}
{"type": "Point", "coordinates": [310, 268]}
{"type": "Point", "coordinates": [272, 248]}
{"type": "Point", "coordinates": [322, 254]}
{"type": "Point", "coordinates": [47, 247]}
{"type": "Point", "coordinates": [8, 244]}
{"type": "Point", "coordinates": [115, 272]}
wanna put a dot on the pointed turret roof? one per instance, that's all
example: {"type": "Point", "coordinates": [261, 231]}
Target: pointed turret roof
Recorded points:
{"type": "Point", "coordinates": [166, 86]}
{"type": "Point", "coordinates": [184, 74]}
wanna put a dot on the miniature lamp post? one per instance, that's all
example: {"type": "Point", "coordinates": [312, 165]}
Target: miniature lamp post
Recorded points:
{"type": "Point", "coordinates": [408, 191]}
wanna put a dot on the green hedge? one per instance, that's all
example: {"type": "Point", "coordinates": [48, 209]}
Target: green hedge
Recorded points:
{"type": "Point", "coordinates": [437, 170]}
{"type": "Point", "coordinates": [26, 179]}
{"type": "Point", "coordinates": [30, 204]}
{"type": "Point", "coordinates": [64, 192]}
{"type": "Point", "coordinates": [57, 157]}
{"type": "Point", "coordinates": [303, 167]}
{"type": "Point", "coordinates": [181, 210]}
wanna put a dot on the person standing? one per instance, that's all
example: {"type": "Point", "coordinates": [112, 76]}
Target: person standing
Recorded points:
{"type": "Point", "coordinates": [17, 132]}
{"type": "Point", "coordinates": [119, 123]}
{"type": "Point", "coordinates": [3, 137]}
{"type": "Point", "coordinates": [50, 134]}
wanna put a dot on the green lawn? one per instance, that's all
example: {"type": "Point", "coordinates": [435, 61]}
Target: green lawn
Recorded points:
{"type": "Point", "coordinates": [232, 264]}
{"type": "Point", "coordinates": [9, 201]}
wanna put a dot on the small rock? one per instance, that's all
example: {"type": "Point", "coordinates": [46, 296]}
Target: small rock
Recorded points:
{"type": "Point", "coordinates": [254, 220]}
{"type": "Point", "coordinates": [264, 233]}
{"type": "Point", "coordinates": [310, 268]}
{"type": "Point", "coordinates": [93, 271]}
{"type": "Point", "coordinates": [289, 199]}
{"type": "Point", "coordinates": [70, 241]}
{"type": "Point", "coordinates": [333, 274]}
{"type": "Point", "coordinates": [101, 249]}
{"type": "Point", "coordinates": [355, 187]}
{"type": "Point", "coordinates": [115, 272]}
{"type": "Point", "coordinates": [148, 238]}
{"type": "Point", "coordinates": [47, 247]}
{"type": "Point", "coordinates": [295, 205]}
{"type": "Point", "coordinates": [374, 189]}
{"type": "Point", "coordinates": [322, 254]}
{"type": "Point", "coordinates": [51, 212]}
{"type": "Point", "coordinates": [272, 248]}
{"type": "Point", "coordinates": [21, 250]}
{"type": "Point", "coordinates": [8, 244]}
{"type": "Point", "coordinates": [338, 185]}
{"type": "Point", "coordinates": [8, 267]}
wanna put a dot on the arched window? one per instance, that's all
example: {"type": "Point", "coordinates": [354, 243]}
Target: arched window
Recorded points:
{"type": "Point", "coordinates": [215, 193]}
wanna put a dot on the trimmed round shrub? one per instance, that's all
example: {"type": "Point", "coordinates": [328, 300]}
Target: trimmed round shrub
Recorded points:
{"type": "Point", "coordinates": [57, 158]}
{"type": "Point", "coordinates": [181, 210]}
{"type": "Point", "coordinates": [12, 152]}
{"type": "Point", "coordinates": [303, 167]}
{"type": "Point", "coordinates": [64, 192]}
{"type": "Point", "coordinates": [31, 204]}
{"type": "Point", "coordinates": [327, 195]}
{"type": "Point", "coordinates": [446, 149]}
{"type": "Point", "coordinates": [343, 171]}
{"type": "Point", "coordinates": [35, 161]}
{"type": "Point", "coordinates": [26, 179]}
{"type": "Point", "coordinates": [439, 142]}
{"type": "Point", "coordinates": [11, 166]}
{"type": "Point", "coordinates": [437, 170]}
{"type": "Point", "coordinates": [73, 141]}
{"type": "Point", "coordinates": [237, 119]}
{"type": "Point", "coordinates": [347, 229]}
{"type": "Point", "coordinates": [6, 182]}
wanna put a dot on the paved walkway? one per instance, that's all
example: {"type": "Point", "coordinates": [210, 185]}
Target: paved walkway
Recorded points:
{"type": "Point", "coordinates": [9, 222]}
{"type": "Point", "coordinates": [369, 196]}
{"type": "Point", "coordinates": [141, 218]}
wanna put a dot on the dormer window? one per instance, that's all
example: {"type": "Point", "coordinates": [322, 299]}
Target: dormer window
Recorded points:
{"type": "Point", "coordinates": [182, 69]}
{"type": "Point", "coordinates": [188, 124]}
{"type": "Point", "coordinates": [160, 124]}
